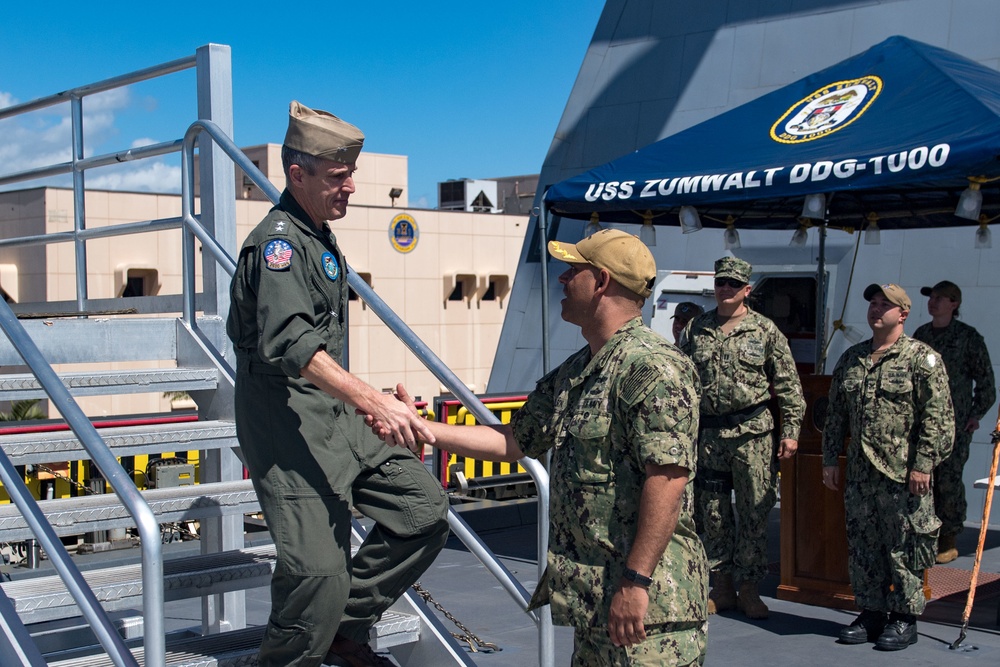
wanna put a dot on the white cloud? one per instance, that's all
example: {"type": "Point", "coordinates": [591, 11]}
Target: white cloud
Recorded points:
{"type": "Point", "coordinates": [150, 177]}
{"type": "Point", "coordinates": [43, 138]}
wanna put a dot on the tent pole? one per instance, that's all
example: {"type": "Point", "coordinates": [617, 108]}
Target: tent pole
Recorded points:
{"type": "Point", "coordinates": [543, 241]}
{"type": "Point", "coordinates": [821, 299]}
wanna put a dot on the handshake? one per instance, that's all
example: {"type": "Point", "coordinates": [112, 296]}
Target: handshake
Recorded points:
{"type": "Point", "coordinates": [395, 421]}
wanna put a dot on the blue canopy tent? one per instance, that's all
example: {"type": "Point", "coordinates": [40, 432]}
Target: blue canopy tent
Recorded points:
{"type": "Point", "coordinates": [891, 137]}
{"type": "Point", "coordinates": [899, 131]}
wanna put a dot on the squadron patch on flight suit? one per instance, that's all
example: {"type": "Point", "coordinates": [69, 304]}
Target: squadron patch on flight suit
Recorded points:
{"type": "Point", "coordinates": [278, 255]}
{"type": "Point", "coordinates": [330, 266]}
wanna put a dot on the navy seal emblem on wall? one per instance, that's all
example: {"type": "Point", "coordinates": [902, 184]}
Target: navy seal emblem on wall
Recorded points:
{"type": "Point", "coordinates": [829, 109]}
{"type": "Point", "coordinates": [330, 266]}
{"type": "Point", "coordinates": [278, 255]}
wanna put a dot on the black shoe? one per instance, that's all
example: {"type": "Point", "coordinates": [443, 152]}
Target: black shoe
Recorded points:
{"type": "Point", "coordinates": [900, 633]}
{"type": "Point", "coordinates": [867, 627]}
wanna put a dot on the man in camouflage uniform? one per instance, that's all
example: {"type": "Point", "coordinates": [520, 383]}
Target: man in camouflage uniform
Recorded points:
{"type": "Point", "coordinates": [310, 457]}
{"type": "Point", "coordinates": [620, 417]}
{"type": "Point", "coordinates": [741, 356]}
{"type": "Point", "coordinates": [683, 313]}
{"type": "Point", "coordinates": [889, 394]}
{"type": "Point", "coordinates": [967, 361]}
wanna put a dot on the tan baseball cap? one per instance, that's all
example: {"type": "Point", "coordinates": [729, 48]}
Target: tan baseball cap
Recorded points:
{"type": "Point", "coordinates": [894, 293]}
{"type": "Point", "coordinates": [322, 134]}
{"type": "Point", "coordinates": [622, 255]}
{"type": "Point", "coordinates": [945, 288]}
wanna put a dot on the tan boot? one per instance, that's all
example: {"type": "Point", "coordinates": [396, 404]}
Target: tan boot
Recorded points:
{"type": "Point", "coordinates": [723, 594]}
{"type": "Point", "coordinates": [947, 551]}
{"type": "Point", "coordinates": [749, 601]}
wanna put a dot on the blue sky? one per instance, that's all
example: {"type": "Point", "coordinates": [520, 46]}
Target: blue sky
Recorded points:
{"type": "Point", "coordinates": [465, 89]}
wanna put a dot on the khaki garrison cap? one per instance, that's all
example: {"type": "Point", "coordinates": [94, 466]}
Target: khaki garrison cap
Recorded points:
{"type": "Point", "coordinates": [322, 135]}
{"type": "Point", "coordinates": [892, 292]}
{"type": "Point", "coordinates": [622, 255]}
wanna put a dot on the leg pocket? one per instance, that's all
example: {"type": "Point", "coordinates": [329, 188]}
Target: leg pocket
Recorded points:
{"type": "Point", "coordinates": [312, 532]}
{"type": "Point", "coordinates": [920, 547]}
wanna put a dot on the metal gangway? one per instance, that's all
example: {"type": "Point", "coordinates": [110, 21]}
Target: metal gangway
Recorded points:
{"type": "Point", "coordinates": [197, 342]}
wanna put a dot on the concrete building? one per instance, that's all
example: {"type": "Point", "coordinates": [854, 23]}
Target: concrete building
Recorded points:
{"type": "Point", "coordinates": [445, 273]}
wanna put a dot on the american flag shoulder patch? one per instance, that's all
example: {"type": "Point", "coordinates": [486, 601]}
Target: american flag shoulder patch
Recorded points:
{"type": "Point", "coordinates": [278, 255]}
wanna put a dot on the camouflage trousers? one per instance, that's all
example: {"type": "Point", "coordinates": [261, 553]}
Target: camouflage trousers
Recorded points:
{"type": "Point", "coordinates": [949, 489]}
{"type": "Point", "coordinates": [671, 644]}
{"type": "Point", "coordinates": [736, 547]}
{"type": "Point", "coordinates": [891, 539]}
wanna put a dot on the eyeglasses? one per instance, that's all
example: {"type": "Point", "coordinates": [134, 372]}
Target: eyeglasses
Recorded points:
{"type": "Point", "coordinates": [729, 282]}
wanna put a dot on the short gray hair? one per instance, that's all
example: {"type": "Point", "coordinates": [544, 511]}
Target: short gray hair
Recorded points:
{"type": "Point", "coordinates": [290, 156]}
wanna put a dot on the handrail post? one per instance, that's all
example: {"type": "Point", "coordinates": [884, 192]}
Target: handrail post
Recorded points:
{"type": "Point", "coordinates": [79, 207]}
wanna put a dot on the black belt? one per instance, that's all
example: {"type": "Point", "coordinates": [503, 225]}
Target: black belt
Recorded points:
{"type": "Point", "coordinates": [716, 481]}
{"type": "Point", "coordinates": [258, 367]}
{"type": "Point", "coordinates": [733, 419]}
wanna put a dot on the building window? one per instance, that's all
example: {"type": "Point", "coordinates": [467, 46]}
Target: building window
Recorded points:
{"type": "Point", "coordinates": [137, 282]}
{"type": "Point", "coordinates": [351, 294]}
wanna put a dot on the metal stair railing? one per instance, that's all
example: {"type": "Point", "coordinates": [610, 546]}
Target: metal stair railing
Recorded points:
{"type": "Point", "coordinates": [433, 363]}
{"type": "Point", "coordinates": [125, 489]}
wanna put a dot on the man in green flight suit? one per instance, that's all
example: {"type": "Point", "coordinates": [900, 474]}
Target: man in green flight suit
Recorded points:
{"type": "Point", "coordinates": [741, 356]}
{"type": "Point", "coordinates": [967, 361]}
{"type": "Point", "coordinates": [620, 417]}
{"type": "Point", "coordinates": [890, 395]}
{"type": "Point", "coordinates": [310, 457]}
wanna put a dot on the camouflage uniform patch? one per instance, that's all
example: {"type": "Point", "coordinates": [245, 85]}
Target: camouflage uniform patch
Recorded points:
{"type": "Point", "coordinates": [601, 440]}
{"type": "Point", "coordinates": [967, 361]}
{"type": "Point", "coordinates": [898, 414]}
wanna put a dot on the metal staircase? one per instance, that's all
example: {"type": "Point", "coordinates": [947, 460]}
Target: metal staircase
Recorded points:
{"type": "Point", "coordinates": [123, 605]}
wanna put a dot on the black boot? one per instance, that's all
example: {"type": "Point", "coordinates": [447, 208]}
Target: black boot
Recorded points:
{"type": "Point", "coordinates": [867, 627]}
{"type": "Point", "coordinates": [900, 633]}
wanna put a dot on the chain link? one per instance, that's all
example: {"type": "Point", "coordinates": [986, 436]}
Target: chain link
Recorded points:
{"type": "Point", "coordinates": [467, 636]}
{"type": "Point", "coordinates": [86, 489]}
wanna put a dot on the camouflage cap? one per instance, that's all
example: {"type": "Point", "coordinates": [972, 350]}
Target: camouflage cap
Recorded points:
{"type": "Point", "coordinates": [322, 135]}
{"type": "Point", "coordinates": [945, 288]}
{"type": "Point", "coordinates": [685, 310]}
{"type": "Point", "coordinates": [733, 267]}
{"type": "Point", "coordinates": [894, 293]}
{"type": "Point", "coordinates": [622, 255]}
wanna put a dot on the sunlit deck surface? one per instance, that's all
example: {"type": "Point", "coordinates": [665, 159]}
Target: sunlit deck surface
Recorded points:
{"type": "Point", "coordinates": [795, 634]}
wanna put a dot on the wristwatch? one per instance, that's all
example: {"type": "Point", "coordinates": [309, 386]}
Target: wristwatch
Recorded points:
{"type": "Point", "coordinates": [636, 578]}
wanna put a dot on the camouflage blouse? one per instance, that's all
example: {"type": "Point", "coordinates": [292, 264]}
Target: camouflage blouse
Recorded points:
{"type": "Point", "coordinates": [967, 361]}
{"type": "Point", "coordinates": [604, 418]}
{"type": "Point", "coordinates": [737, 372]}
{"type": "Point", "coordinates": [897, 410]}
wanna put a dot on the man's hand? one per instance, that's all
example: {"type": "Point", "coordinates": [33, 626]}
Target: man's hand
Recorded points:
{"type": "Point", "coordinates": [920, 483]}
{"type": "Point", "coordinates": [972, 425]}
{"type": "Point", "coordinates": [628, 609]}
{"type": "Point", "coordinates": [831, 477]}
{"type": "Point", "coordinates": [787, 448]}
{"type": "Point", "coordinates": [396, 422]}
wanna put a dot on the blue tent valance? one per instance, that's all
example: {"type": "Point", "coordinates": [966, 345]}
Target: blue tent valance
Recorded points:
{"type": "Point", "coordinates": [896, 132]}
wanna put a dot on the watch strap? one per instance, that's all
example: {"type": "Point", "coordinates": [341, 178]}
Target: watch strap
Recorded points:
{"type": "Point", "coordinates": [636, 578]}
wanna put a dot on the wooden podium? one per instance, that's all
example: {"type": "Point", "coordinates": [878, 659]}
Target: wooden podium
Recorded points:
{"type": "Point", "coordinates": [813, 531]}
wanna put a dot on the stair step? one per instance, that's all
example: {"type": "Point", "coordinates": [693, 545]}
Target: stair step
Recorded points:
{"type": "Point", "coordinates": [27, 448]}
{"type": "Point", "coordinates": [41, 599]}
{"type": "Point", "coordinates": [85, 514]}
{"type": "Point", "coordinates": [20, 386]}
{"type": "Point", "coordinates": [239, 647]}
